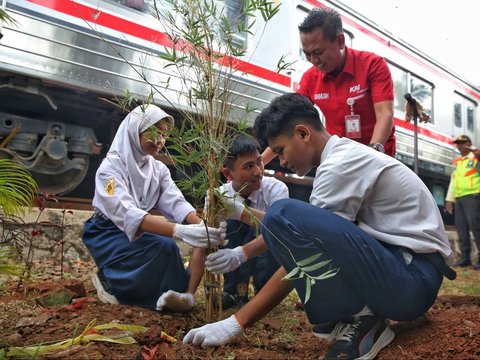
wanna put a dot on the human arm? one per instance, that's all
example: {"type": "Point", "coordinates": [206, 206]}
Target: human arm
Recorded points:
{"type": "Point", "coordinates": [382, 93]}
{"type": "Point", "coordinates": [450, 198]}
{"type": "Point", "coordinates": [222, 332]}
{"type": "Point", "coordinates": [383, 122]}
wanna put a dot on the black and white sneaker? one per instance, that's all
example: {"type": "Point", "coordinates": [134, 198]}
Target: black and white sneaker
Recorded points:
{"type": "Point", "coordinates": [103, 293]}
{"type": "Point", "coordinates": [329, 331]}
{"type": "Point", "coordinates": [362, 339]}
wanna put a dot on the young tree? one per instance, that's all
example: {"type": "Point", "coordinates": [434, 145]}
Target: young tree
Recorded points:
{"type": "Point", "coordinates": [203, 56]}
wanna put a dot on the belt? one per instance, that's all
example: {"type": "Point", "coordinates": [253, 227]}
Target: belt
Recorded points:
{"type": "Point", "coordinates": [439, 262]}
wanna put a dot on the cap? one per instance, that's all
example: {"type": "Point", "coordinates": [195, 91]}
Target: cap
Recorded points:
{"type": "Point", "coordinates": [462, 138]}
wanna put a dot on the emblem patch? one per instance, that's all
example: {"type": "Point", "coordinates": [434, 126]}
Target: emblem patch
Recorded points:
{"type": "Point", "coordinates": [108, 184]}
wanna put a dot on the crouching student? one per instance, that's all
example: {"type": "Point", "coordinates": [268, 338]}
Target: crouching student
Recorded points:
{"type": "Point", "coordinates": [138, 260]}
{"type": "Point", "coordinates": [369, 214]}
{"type": "Point", "coordinates": [243, 168]}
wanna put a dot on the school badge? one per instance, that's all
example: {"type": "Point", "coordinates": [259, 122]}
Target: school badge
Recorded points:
{"type": "Point", "coordinates": [108, 184]}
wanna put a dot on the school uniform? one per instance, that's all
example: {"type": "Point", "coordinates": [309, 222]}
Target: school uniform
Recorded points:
{"type": "Point", "coordinates": [262, 267]}
{"type": "Point", "coordinates": [377, 223]}
{"type": "Point", "coordinates": [138, 267]}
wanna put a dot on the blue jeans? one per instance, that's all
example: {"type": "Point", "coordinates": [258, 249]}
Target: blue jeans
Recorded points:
{"type": "Point", "coordinates": [260, 268]}
{"type": "Point", "coordinates": [370, 273]}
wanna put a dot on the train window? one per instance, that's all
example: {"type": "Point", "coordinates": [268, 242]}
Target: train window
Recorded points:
{"type": "Point", "coordinates": [406, 82]}
{"type": "Point", "coordinates": [470, 119]}
{"type": "Point", "coordinates": [236, 16]}
{"type": "Point", "coordinates": [400, 84]}
{"type": "Point", "coordinates": [423, 92]}
{"type": "Point", "coordinates": [464, 111]}
{"type": "Point", "coordinates": [458, 114]}
{"type": "Point", "coordinates": [139, 5]}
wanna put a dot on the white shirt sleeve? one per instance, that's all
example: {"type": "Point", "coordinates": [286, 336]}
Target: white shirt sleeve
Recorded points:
{"type": "Point", "coordinates": [117, 204]}
{"type": "Point", "coordinates": [172, 203]}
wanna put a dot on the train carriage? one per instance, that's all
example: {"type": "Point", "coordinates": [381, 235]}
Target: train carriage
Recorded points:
{"type": "Point", "coordinates": [66, 56]}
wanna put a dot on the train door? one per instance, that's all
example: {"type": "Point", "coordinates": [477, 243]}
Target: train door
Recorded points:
{"type": "Point", "coordinates": [464, 113]}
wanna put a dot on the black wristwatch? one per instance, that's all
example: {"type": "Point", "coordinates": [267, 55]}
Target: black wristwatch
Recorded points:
{"type": "Point", "coordinates": [377, 146]}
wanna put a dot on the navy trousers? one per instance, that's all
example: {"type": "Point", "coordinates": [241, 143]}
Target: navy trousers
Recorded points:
{"type": "Point", "coordinates": [137, 272]}
{"type": "Point", "coordinates": [395, 283]}
{"type": "Point", "coordinates": [260, 268]}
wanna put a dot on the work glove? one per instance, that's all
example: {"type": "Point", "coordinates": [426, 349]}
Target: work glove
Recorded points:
{"type": "Point", "coordinates": [225, 260]}
{"type": "Point", "coordinates": [175, 301]}
{"type": "Point", "coordinates": [217, 333]}
{"type": "Point", "coordinates": [195, 235]}
{"type": "Point", "coordinates": [232, 206]}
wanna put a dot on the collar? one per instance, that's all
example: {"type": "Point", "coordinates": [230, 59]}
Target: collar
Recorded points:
{"type": "Point", "coordinates": [331, 143]}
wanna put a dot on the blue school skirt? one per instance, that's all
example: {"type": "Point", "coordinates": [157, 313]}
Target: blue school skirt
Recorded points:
{"type": "Point", "coordinates": [137, 272]}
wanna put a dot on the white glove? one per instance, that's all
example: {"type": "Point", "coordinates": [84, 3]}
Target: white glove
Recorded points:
{"type": "Point", "coordinates": [225, 260]}
{"type": "Point", "coordinates": [218, 333]}
{"type": "Point", "coordinates": [195, 235]}
{"type": "Point", "coordinates": [175, 301]}
{"type": "Point", "coordinates": [233, 206]}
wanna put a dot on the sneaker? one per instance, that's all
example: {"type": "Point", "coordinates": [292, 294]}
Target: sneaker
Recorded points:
{"type": "Point", "coordinates": [462, 263]}
{"type": "Point", "coordinates": [362, 340]}
{"type": "Point", "coordinates": [100, 284]}
{"type": "Point", "coordinates": [328, 331]}
{"type": "Point", "coordinates": [228, 301]}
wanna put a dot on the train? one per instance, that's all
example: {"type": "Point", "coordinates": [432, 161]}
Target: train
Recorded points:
{"type": "Point", "coordinates": [64, 61]}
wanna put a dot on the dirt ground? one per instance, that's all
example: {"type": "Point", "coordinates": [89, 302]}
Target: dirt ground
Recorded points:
{"type": "Point", "coordinates": [450, 330]}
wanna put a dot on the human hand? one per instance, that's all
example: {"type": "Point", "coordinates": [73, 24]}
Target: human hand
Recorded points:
{"type": "Point", "coordinates": [195, 235]}
{"type": "Point", "coordinates": [233, 207]}
{"type": "Point", "coordinates": [175, 301]}
{"type": "Point", "coordinates": [225, 260]}
{"type": "Point", "coordinates": [217, 333]}
{"type": "Point", "coordinates": [449, 207]}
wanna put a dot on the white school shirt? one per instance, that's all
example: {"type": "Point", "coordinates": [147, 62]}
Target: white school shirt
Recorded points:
{"type": "Point", "coordinates": [271, 190]}
{"type": "Point", "coordinates": [120, 206]}
{"type": "Point", "coordinates": [387, 199]}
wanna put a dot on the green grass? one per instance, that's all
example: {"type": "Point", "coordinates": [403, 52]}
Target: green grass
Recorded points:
{"type": "Point", "coordinates": [466, 283]}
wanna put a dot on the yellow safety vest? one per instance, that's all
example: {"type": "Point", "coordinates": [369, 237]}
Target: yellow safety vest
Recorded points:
{"type": "Point", "coordinates": [466, 179]}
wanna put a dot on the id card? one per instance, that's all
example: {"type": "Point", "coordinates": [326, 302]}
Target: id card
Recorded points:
{"type": "Point", "coordinates": [352, 126]}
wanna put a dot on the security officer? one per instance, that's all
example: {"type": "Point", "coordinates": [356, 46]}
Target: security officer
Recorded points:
{"type": "Point", "coordinates": [464, 191]}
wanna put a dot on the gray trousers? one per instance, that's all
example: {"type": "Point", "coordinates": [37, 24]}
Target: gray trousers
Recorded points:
{"type": "Point", "coordinates": [467, 219]}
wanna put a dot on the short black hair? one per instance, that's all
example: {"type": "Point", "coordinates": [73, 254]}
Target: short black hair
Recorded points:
{"type": "Point", "coordinates": [327, 19]}
{"type": "Point", "coordinates": [241, 145]}
{"type": "Point", "coordinates": [283, 113]}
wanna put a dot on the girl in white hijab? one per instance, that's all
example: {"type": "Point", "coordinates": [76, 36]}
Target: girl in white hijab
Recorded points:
{"type": "Point", "coordinates": [138, 260]}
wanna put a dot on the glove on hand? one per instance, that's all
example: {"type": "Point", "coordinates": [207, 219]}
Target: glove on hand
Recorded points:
{"type": "Point", "coordinates": [195, 235]}
{"type": "Point", "coordinates": [218, 333]}
{"type": "Point", "coordinates": [234, 207]}
{"type": "Point", "coordinates": [225, 260]}
{"type": "Point", "coordinates": [175, 301]}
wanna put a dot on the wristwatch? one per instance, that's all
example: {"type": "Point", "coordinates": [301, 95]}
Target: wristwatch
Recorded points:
{"type": "Point", "coordinates": [377, 146]}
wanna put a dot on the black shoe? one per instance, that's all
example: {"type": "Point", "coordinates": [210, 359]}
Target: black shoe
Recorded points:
{"type": "Point", "coordinates": [462, 263]}
{"type": "Point", "coordinates": [228, 301]}
{"type": "Point", "coordinates": [477, 266]}
{"type": "Point", "coordinates": [362, 339]}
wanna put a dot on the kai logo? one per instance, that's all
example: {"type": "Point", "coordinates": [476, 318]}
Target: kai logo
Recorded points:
{"type": "Point", "coordinates": [322, 96]}
{"type": "Point", "coordinates": [109, 185]}
{"type": "Point", "coordinates": [355, 88]}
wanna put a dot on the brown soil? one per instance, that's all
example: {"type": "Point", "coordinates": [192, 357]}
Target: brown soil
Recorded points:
{"type": "Point", "coordinates": [450, 330]}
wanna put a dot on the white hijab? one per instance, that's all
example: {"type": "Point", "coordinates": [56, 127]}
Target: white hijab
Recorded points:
{"type": "Point", "coordinates": [141, 168]}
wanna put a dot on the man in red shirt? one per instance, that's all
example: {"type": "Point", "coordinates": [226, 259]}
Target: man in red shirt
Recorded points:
{"type": "Point", "coordinates": [353, 89]}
